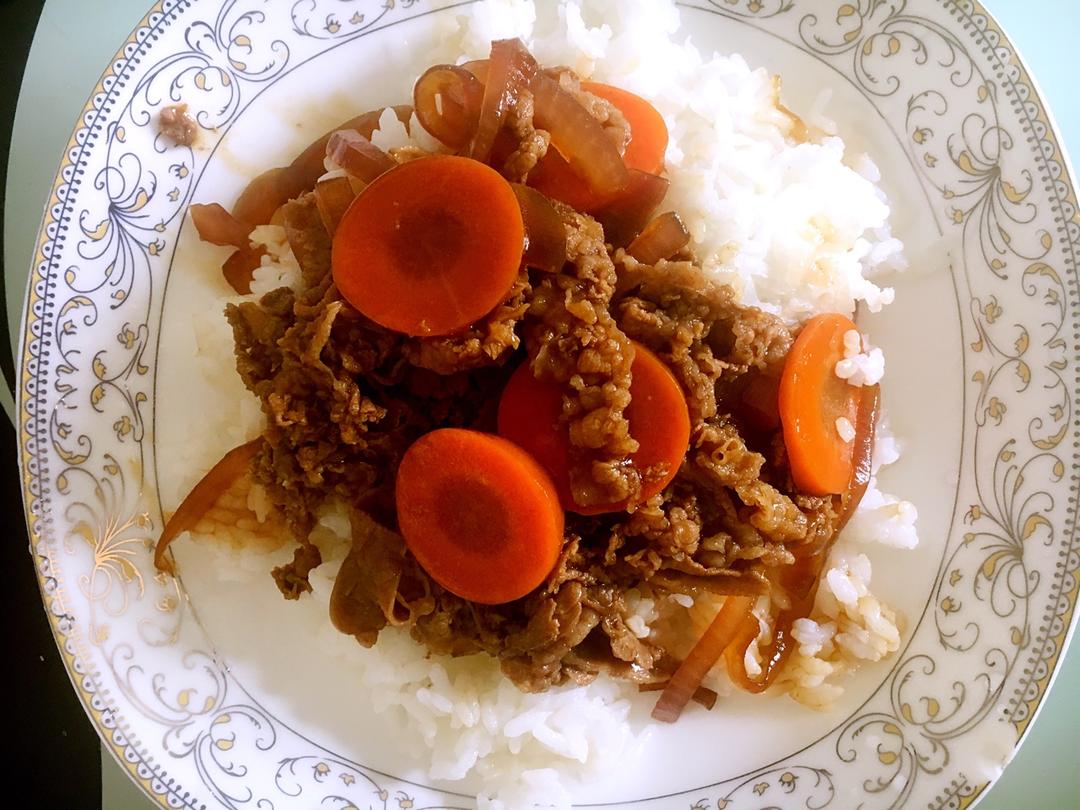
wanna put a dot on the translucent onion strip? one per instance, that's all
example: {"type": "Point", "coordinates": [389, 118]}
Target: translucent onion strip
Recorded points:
{"type": "Point", "coordinates": [661, 239]}
{"type": "Point", "coordinates": [448, 100]}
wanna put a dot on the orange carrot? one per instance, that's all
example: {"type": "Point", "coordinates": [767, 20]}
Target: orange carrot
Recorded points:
{"type": "Point", "coordinates": [648, 132]}
{"type": "Point", "coordinates": [529, 416]}
{"type": "Point", "coordinates": [648, 142]}
{"type": "Point", "coordinates": [203, 496]}
{"type": "Point", "coordinates": [479, 514]}
{"type": "Point", "coordinates": [659, 420]}
{"type": "Point", "coordinates": [811, 400]}
{"type": "Point", "coordinates": [430, 246]}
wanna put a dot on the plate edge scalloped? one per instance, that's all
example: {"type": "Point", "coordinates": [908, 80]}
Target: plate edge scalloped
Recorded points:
{"type": "Point", "coordinates": [25, 419]}
{"type": "Point", "coordinates": [1063, 640]}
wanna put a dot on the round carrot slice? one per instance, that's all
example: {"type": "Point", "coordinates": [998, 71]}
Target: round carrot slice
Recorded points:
{"type": "Point", "coordinates": [430, 246]}
{"type": "Point", "coordinates": [648, 132]}
{"type": "Point", "coordinates": [479, 514]}
{"type": "Point", "coordinates": [529, 412]}
{"type": "Point", "coordinates": [529, 416]}
{"type": "Point", "coordinates": [811, 400]}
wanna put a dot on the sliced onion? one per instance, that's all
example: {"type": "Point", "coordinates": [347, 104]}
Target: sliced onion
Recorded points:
{"type": "Point", "coordinates": [478, 68]}
{"type": "Point", "coordinates": [240, 267]}
{"type": "Point", "coordinates": [311, 159]}
{"type": "Point", "coordinates": [203, 496]}
{"type": "Point", "coordinates": [800, 133]}
{"type": "Point", "coordinates": [575, 133]}
{"type": "Point", "coordinates": [357, 155]}
{"type": "Point", "coordinates": [448, 100]}
{"type": "Point", "coordinates": [511, 70]}
{"type": "Point", "coordinates": [800, 580]}
{"type": "Point", "coordinates": [268, 192]}
{"type": "Point", "coordinates": [333, 197]}
{"type": "Point", "coordinates": [703, 694]}
{"type": "Point", "coordinates": [661, 239]}
{"type": "Point", "coordinates": [366, 589]}
{"type": "Point", "coordinates": [578, 137]}
{"type": "Point", "coordinates": [688, 677]}
{"type": "Point", "coordinates": [627, 213]}
{"type": "Point", "coordinates": [743, 584]}
{"type": "Point", "coordinates": [217, 226]}
{"type": "Point", "coordinates": [545, 234]}
{"type": "Point", "coordinates": [862, 453]}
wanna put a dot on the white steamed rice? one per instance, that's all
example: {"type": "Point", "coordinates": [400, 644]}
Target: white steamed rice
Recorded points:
{"type": "Point", "coordinates": [796, 227]}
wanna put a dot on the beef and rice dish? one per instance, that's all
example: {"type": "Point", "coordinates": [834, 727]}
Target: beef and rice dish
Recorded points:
{"type": "Point", "coordinates": [505, 360]}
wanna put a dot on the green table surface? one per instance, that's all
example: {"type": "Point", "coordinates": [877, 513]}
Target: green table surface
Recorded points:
{"type": "Point", "coordinates": [1046, 771]}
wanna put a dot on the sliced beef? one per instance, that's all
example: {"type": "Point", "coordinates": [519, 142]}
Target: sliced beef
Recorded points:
{"type": "Point", "coordinates": [490, 341]}
{"type": "Point", "coordinates": [697, 328]}
{"type": "Point", "coordinates": [573, 340]}
{"type": "Point", "coordinates": [178, 125]}
{"type": "Point", "coordinates": [344, 398]}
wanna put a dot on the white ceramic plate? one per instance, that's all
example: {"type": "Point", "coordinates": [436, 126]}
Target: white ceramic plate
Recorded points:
{"type": "Point", "coordinates": [205, 696]}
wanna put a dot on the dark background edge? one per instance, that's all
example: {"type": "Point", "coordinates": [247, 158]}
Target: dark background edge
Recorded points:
{"type": "Point", "coordinates": [54, 753]}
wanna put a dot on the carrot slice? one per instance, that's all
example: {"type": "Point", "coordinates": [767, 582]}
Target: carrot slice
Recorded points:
{"type": "Point", "coordinates": [430, 246]}
{"type": "Point", "coordinates": [479, 514]}
{"type": "Point", "coordinates": [811, 400]}
{"type": "Point", "coordinates": [648, 132]}
{"type": "Point", "coordinates": [555, 177]}
{"type": "Point", "coordinates": [529, 411]}
{"type": "Point", "coordinates": [203, 496]}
